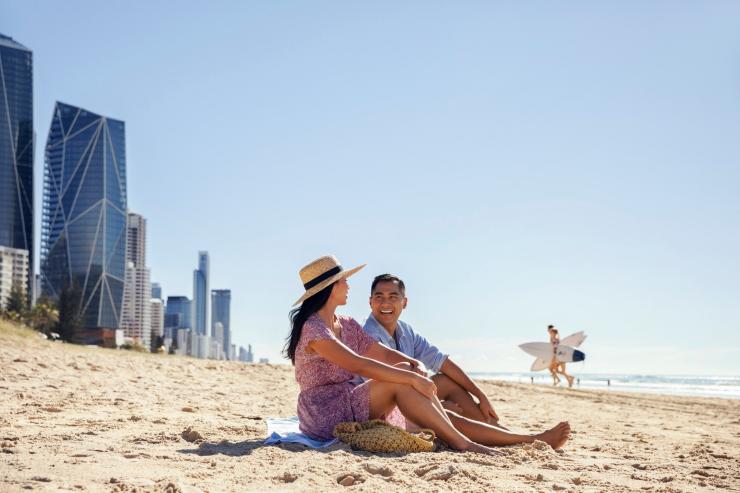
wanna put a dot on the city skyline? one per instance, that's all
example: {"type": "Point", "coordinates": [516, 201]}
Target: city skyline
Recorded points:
{"type": "Point", "coordinates": [584, 177]}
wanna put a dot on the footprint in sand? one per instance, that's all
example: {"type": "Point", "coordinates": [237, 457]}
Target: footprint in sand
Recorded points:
{"type": "Point", "coordinates": [378, 469]}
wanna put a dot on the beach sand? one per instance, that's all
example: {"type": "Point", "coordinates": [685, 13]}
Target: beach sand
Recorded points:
{"type": "Point", "coordinates": [90, 419]}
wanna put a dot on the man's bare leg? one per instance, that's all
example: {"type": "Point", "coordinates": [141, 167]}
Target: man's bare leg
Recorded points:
{"type": "Point", "coordinates": [462, 402]}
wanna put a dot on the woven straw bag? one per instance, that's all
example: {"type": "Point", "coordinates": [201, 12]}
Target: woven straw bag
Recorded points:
{"type": "Point", "coordinates": [377, 435]}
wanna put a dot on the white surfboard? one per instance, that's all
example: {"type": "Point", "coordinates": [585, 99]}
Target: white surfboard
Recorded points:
{"type": "Point", "coordinates": [574, 340]}
{"type": "Point", "coordinates": [540, 364]}
{"type": "Point", "coordinates": [543, 352]}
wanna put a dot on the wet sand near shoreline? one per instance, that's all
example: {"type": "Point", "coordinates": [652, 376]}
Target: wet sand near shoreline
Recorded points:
{"type": "Point", "coordinates": [88, 419]}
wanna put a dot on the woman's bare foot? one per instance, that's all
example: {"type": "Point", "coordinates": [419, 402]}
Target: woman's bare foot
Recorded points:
{"type": "Point", "coordinates": [556, 436]}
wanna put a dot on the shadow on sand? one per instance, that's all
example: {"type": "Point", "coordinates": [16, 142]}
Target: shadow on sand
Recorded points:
{"type": "Point", "coordinates": [238, 449]}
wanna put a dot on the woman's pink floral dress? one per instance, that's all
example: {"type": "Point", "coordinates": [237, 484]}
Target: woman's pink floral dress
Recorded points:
{"type": "Point", "coordinates": [328, 396]}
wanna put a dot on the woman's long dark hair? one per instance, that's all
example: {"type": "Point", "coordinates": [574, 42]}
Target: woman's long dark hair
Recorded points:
{"type": "Point", "coordinates": [298, 317]}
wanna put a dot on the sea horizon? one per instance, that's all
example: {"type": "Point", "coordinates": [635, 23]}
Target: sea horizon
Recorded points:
{"type": "Point", "coordinates": [690, 385]}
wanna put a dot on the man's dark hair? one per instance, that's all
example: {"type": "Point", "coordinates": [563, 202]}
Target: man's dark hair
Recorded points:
{"type": "Point", "coordinates": [550, 327]}
{"type": "Point", "coordinates": [388, 278]}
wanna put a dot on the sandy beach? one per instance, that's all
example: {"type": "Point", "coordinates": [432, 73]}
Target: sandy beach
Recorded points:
{"type": "Point", "coordinates": [88, 419]}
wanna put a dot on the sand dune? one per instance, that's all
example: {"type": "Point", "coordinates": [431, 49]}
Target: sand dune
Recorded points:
{"type": "Point", "coordinates": [87, 419]}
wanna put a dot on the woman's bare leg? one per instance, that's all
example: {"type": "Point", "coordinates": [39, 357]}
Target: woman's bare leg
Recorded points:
{"type": "Point", "coordinates": [428, 413]}
{"type": "Point", "coordinates": [569, 378]}
{"type": "Point", "coordinates": [492, 435]}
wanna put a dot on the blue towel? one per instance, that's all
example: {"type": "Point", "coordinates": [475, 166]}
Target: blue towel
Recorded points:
{"type": "Point", "coordinates": [285, 430]}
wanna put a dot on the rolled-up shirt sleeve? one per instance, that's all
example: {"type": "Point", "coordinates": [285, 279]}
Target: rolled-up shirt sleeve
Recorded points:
{"type": "Point", "coordinates": [428, 354]}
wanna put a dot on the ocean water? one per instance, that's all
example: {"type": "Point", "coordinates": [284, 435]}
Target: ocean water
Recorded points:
{"type": "Point", "coordinates": [689, 385]}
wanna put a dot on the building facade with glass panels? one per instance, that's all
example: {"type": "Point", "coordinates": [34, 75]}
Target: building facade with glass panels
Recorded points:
{"type": "Point", "coordinates": [16, 151]}
{"type": "Point", "coordinates": [221, 313]}
{"type": "Point", "coordinates": [201, 294]}
{"type": "Point", "coordinates": [83, 231]}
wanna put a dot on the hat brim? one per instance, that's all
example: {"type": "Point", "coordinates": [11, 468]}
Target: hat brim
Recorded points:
{"type": "Point", "coordinates": [327, 282]}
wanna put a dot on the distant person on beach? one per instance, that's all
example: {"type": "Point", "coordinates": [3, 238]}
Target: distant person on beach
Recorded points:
{"type": "Point", "coordinates": [329, 350]}
{"type": "Point", "coordinates": [556, 366]}
{"type": "Point", "coordinates": [454, 387]}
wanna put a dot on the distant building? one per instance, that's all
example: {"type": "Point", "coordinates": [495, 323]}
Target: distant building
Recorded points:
{"type": "Point", "coordinates": [218, 333]}
{"type": "Point", "coordinates": [221, 314]}
{"type": "Point", "coordinates": [182, 342]}
{"type": "Point", "coordinates": [178, 313]}
{"type": "Point", "coordinates": [136, 318]}
{"type": "Point", "coordinates": [83, 230]}
{"type": "Point", "coordinates": [13, 271]}
{"type": "Point", "coordinates": [201, 293]}
{"type": "Point", "coordinates": [246, 355]}
{"type": "Point", "coordinates": [157, 322]}
{"type": "Point", "coordinates": [16, 152]}
{"type": "Point", "coordinates": [157, 291]}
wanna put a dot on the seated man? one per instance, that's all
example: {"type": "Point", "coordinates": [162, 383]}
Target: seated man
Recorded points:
{"type": "Point", "coordinates": [454, 387]}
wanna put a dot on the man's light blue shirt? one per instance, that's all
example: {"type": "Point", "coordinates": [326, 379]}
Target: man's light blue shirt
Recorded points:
{"type": "Point", "coordinates": [409, 343]}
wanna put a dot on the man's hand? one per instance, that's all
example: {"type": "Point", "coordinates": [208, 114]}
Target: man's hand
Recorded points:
{"type": "Point", "coordinates": [487, 409]}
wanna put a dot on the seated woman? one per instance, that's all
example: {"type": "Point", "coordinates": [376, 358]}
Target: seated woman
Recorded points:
{"type": "Point", "coordinates": [328, 350]}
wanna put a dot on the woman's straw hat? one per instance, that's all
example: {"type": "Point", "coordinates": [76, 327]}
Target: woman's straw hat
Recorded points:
{"type": "Point", "coordinates": [320, 273]}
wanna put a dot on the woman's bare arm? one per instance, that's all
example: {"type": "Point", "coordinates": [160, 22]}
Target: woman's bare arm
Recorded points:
{"type": "Point", "coordinates": [341, 355]}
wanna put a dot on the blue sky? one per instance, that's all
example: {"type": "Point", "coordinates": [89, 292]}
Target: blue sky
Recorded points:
{"type": "Point", "coordinates": [518, 164]}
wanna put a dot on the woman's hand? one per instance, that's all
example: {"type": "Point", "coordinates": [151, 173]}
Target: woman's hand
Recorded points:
{"type": "Point", "coordinates": [418, 367]}
{"type": "Point", "coordinates": [424, 386]}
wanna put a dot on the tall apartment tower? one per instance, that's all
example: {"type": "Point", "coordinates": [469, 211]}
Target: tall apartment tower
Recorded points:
{"type": "Point", "coordinates": [83, 229]}
{"type": "Point", "coordinates": [136, 318]}
{"type": "Point", "coordinates": [221, 313]}
{"type": "Point", "coordinates": [201, 294]}
{"type": "Point", "coordinates": [16, 151]}
{"type": "Point", "coordinates": [13, 271]}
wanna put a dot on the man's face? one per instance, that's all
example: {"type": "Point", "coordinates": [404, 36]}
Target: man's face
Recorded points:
{"type": "Point", "coordinates": [386, 302]}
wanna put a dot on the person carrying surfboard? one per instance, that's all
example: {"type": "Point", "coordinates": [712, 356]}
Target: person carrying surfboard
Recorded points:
{"type": "Point", "coordinates": [454, 387]}
{"type": "Point", "coordinates": [555, 365]}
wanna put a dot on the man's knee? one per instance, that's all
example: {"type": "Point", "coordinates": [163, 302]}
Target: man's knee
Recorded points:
{"type": "Point", "coordinates": [447, 387]}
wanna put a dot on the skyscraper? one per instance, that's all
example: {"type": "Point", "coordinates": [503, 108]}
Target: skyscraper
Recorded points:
{"type": "Point", "coordinates": [157, 321]}
{"type": "Point", "coordinates": [156, 290]}
{"type": "Point", "coordinates": [13, 271]}
{"type": "Point", "coordinates": [83, 231]}
{"type": "Point", "coordinates": [178, 313]}
{"type": "Point", "coordinates": [16, 150]}
{"type": "Point", "coordinates": [221, 313]}
{"type": "Point", "coordinates": [136, 320]}
{"type": "Point", "coordinates": [201, 294]}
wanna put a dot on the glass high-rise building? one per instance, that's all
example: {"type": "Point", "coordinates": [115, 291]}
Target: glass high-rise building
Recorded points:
{"type": "Point", "coordinates": [16, 150]}
{"type": "Point", "coordinates": [221, 313]}
{"type": "Point", "coordinates": [177, 313]}
{"type": "Point", "coordinates": [201, 294]}
{"type": "Point", "coordinates": [83, 231]}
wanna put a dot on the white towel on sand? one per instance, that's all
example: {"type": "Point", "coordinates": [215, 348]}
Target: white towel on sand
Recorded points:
{"type": "Point", "coordinates": [285, 430]}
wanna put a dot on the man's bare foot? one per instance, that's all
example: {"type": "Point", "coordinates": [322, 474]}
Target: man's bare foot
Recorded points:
{"type": "Point", "coordinates": [570, 381]}
{"type": "Point", "coordinates": [482, 449]}
{"type": "Point", "coordinates": [556, 436]}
